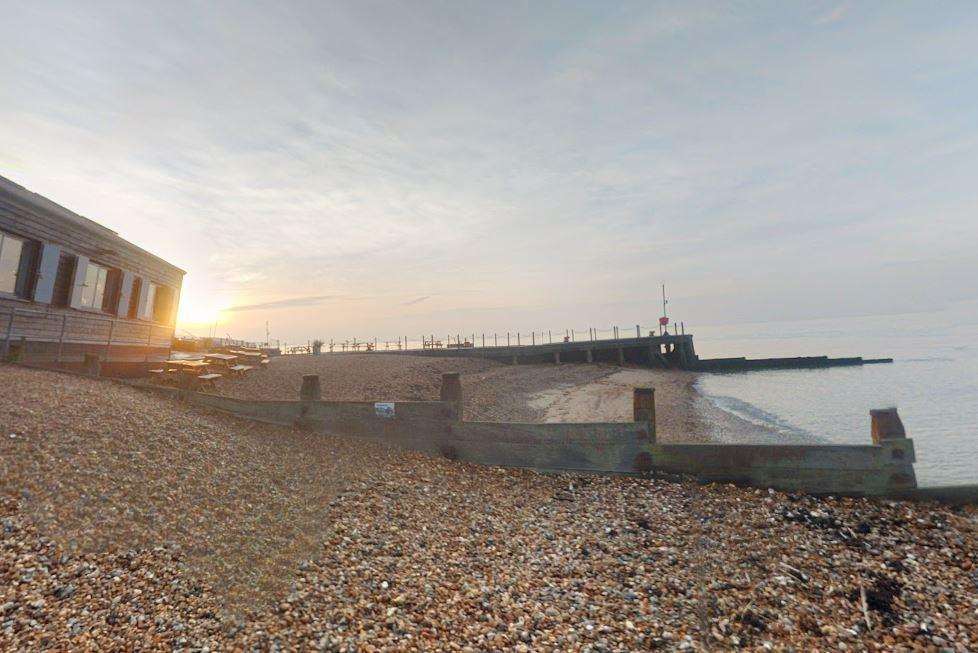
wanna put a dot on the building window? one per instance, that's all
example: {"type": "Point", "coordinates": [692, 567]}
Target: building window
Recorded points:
{"type": "Point", "coordinates": [62, 281]}
{"type": "Point", "coordinates": [163, 308]}
{"type": "Point", "coordinates": [113, 286]}
{"type": "Point", "coordinates": [149, 307]}
{"type": "Point", "coordinates": [93, 290]}
{"type": "Point", "coordinates": [137, 285]}
{"type": "Point", "coordinates": [10, 251]}
{"type": "Point", "coordinates": [12, 277]}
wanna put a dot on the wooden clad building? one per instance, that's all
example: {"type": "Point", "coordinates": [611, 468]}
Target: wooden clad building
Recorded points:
{"type": "Point", "coordinates": [70, 287]}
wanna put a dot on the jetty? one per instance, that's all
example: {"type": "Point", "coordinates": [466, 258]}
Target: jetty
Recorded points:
{"type": "Point", "coordinates": [659, 351]}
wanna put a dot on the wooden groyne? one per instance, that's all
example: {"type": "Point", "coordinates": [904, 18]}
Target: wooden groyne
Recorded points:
{"type": "Point", "coordinates": [883, 467]}
{"type": "Point", "coordinates": [800, 362]}
{"type": "Point", "coordinates": [662, 351]}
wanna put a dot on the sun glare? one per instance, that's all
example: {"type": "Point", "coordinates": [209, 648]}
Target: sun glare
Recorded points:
{"type": "Point", "coordinates": [198, 308]}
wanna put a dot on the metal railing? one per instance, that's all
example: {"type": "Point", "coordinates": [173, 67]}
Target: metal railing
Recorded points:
{"type": "Point", "coordinates": [489, 340]}
{"type": "Point", "coordinates": [54, 335]}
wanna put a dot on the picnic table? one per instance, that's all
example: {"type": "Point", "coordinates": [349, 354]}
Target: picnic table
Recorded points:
{"type": "Point", "coordinates": [192, 373]}
{"type": "Point", "coordinates": [253, 358]}
{"type": "Point", "coordinates": [221, 358]}
{"type": "Point", "coordinates": [240, 369]}
{"type": "Point", "coordinates": [248, 354]}
{"type": "Point", "coordinates": [186, 365]}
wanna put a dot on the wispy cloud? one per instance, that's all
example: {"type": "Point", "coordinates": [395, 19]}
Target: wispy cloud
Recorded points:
{"type": "Point", "coordinates": [580, 152]}
{"type": "Point", "coordinates": [835, 15]}
{"type": "Point", "coordinates": [292, 302]}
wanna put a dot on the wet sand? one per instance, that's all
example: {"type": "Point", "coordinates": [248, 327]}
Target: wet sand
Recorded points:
{"type": "Point", "coordinates": [516, 393]}
{"type": "Point", "coordinates": [682, 413]}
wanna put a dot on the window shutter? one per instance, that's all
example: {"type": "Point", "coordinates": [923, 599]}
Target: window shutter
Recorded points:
{"type": "Point", "coordinates": [81, 267]}
{"type": "Point", "coordinates": [143, 296]}
{"type": "Point", "coordinates": [47, 273]}
{"type": "Point", "coordinates": [125, 293]}
{"type": "Point", "coordinates": [174, 306]}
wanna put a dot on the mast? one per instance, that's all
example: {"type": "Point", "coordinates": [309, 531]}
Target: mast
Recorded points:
{"type": "Point", "coordinates": [664, 321]}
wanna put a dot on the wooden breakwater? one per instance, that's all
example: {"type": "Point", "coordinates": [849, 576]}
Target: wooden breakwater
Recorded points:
{"type": "Point", "coordinates": [882, 467]}
{"type": "Point", "coordinates": [793, 363]}
{"type": "Point", "coordinates": [663, 351]}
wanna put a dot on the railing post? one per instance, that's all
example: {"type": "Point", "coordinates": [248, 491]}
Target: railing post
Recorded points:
{"type": "Point", "coordinates": [643, 406]}
{"type": "Point", "coordinates": [108, 341]}
{"type": "Point", "coordinates": [92, 365]}
{"type": "Point", "coordinates": [61, 339]}
{"type": "Point", "coordinates": [451, 391]}
{"type": "Point", "coordinates": [6, 340]}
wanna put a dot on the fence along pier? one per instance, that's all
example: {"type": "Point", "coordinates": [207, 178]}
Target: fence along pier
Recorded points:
{"type": "Point", "coordinates": [662, 351]}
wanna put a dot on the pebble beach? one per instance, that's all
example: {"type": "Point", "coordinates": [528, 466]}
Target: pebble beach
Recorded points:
{"type": "Point", "coordinates": [131, 522]}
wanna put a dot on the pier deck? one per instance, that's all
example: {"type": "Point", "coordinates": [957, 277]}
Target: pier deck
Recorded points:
{"type": "Point", "coordinates": [664, 351]}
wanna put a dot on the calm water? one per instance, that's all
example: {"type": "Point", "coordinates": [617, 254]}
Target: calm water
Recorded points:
{"type": "Point", "coordinates": [933, 382]}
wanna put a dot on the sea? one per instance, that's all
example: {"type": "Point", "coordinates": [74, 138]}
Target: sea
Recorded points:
{"type": "Point", "coordinates": [933, 382]}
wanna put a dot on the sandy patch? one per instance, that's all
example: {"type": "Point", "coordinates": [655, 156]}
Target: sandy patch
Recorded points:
{"type": "Point", "coordinates": [682, 413]}
{"type": "Point", "coordinates": [496, 392]}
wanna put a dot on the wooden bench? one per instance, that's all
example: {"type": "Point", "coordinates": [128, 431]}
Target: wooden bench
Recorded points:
{"type": "Point", "coordinates": [265, 361]}
{"type": "Point", "coordinates": [240, 369]}
{"type": "Point", "coordinates": [207, 380]}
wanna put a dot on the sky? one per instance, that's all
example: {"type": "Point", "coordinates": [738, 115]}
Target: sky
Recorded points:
{"type": "Point", "coordinates": [362, 169]}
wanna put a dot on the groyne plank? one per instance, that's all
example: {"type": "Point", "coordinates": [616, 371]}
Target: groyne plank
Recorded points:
{"type": "Point", "coordinates": [884, 469]}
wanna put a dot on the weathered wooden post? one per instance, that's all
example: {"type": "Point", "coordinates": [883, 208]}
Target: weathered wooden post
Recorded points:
{"type": "Point", "coordinates": [311, 390]}
{"type": "Point", "coordinates": [6, 339]}
{"type": "Point", "coordinates": [92, 365]}
{"type": "Point", "coordinates": [643, 406]}
{"type": "Point", "coordinates": [888, 433]}
{"type": "Point", "coordinates": [886, 425]}
{"type": "Point", "coordinates": [451, 391]}
{"type": "Point", "coordinates": [18, 354]}
{"type": "Point", "coordinates": [108, 341]}
{"type": "Point", "coordinates": [61, 339]}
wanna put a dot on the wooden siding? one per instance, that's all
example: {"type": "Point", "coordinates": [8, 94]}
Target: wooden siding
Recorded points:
{"type": "Point", "coordinates": [108, 249]}
{"type": "Point", "coordinates": [27, 215]}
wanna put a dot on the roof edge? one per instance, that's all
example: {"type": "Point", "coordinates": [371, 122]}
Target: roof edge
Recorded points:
{"type": "Point", "coordinates": [45, 204]}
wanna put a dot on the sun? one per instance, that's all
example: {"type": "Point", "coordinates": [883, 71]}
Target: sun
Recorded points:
{"type": "Point", "coordinates": [198, 308]}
